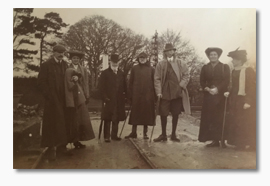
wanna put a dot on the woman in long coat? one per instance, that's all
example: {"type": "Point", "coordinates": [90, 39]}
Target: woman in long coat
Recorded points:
{"type": "Point", "coordinates": [79, 127]}
{"type": "Point", "coordinates": [142, 96]}
{"type": "Point", "coordinates": [242, 96]}
{"type": "Point", "coordinates": [214, 80]}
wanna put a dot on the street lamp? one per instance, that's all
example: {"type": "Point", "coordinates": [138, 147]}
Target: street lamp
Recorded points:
{"type": "Point", "coordinates": [155, 49]}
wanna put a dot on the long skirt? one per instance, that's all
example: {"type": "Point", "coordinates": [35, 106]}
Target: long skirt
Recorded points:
{"type": "Point", "coordinates": [241, 123]}
{"type": "Point", "coordinates": [211, 117]}
{"type": "Point", "coordinates": [79, 127]}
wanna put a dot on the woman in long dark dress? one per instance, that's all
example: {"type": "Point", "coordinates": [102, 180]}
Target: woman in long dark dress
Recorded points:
{"type": "Point", "coordinates": [242, 108]}
{"type": "Point", "coordinates": [214, 80]}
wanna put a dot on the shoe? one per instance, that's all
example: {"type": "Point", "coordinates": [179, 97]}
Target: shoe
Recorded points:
{"type": "Point", "coordinates": [213, 144]}
{"type": "Point", "coordinates": [78, 145]}
{"type": "Point", "coordinates": [174, 138]}
{"type": "Point", "coordinates": [107, 140]}
{"type": "Point", "coordinates": [131, 135]}
{"type": "Point", "coordinates": [116, 139]}
{"type": "Point", "coordinates": [145, 137]}
{"type": "Point", "coordinates": [160, 138]}
{"type": "Point", "coordinates": [223, 144]}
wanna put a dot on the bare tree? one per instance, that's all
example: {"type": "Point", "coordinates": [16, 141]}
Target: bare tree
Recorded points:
{"type": "Point", "coordinates": [96, 35]}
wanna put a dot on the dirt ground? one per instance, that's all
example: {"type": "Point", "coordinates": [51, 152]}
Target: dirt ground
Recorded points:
{"type": "Point", "coordinates": [188, 154]}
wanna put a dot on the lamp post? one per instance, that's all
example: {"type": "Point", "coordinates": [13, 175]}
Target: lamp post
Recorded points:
{"type": "Point", "coordinates": [155, 49]}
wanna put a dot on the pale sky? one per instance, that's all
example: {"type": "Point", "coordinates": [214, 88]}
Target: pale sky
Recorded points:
{"type": "Point", "coordinates": [224, 28]}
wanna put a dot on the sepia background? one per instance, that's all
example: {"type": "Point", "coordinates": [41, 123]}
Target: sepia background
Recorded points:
{"type": "Point", "coordinates": [187, 27]}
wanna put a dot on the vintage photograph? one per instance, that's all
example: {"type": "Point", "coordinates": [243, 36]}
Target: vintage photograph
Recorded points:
{"type": "Point", "coordinates": [134, 88]}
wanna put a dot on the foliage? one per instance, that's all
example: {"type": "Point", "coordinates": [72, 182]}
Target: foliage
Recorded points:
{"type": "Point", "coordinates": [96, 35]}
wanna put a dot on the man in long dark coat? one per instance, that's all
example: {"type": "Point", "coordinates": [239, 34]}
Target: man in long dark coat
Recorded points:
{"type": "Point", "coordinates": [112, 86]}
{"type": "Point", "coordinates": [51, 83]}
{"type": "Point", "coordinates": [142, 95]}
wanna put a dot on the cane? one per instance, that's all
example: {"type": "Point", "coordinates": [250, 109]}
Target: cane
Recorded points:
{"type": "Point", "coordinates": [156, 113]}
{"type": "Point", "coordinates": [101, 122]}
{"type": "Point", "coordinates": [223, 125]}
{"type": "Point", "coordinates": [125, 122]}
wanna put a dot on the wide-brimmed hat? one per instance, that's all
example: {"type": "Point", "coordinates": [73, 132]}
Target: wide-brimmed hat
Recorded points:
{"type": "Point", "coordinates": [168, 47]}
{"type": "Point", "coordinates": [59, 48]}
{"type": "Point", "coordinates": [211, 49]}
{"type": "Point", "coordinates": [142, 55]}
{"type": "Point", "coordinates": [76, 53]}
{"type": "Point", "coordinates": [237, 53]}
{"type": "Point", "coordinates": [114, 58]}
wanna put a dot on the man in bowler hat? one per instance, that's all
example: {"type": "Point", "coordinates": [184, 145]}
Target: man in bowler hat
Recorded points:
{"type": "Point", "coordinates": [112, 86]}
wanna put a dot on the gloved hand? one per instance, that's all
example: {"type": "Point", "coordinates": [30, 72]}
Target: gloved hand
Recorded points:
{"type": "Point", "coordinates": [226, 94]}
{"type": "Point", "coordinates": [246, 106]}
{"type": "Point", "coordinates": [213, 91]}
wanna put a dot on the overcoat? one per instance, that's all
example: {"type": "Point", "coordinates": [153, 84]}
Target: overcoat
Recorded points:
{"type": "Point", "coordinates": [112, 88]}
{"type": "Point", "coordinates": [242, 122]}
{"type": "Point", "coordinates": [183, 76]}
{"type": "Point", "coordinates": [142, 95]}
{"type": "Point", "coordinates": [79, 124]}
{"type": "Point", "coordinates": [51, 84]}
{"type": "Point", "coordinates": [213, 105]}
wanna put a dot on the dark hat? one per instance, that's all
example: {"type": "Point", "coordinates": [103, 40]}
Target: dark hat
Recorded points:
{"type": "Point", "coordinates": [114, 58]}
{"type": "Point", "coordinates": [168, 47]}
{"type": "Point", "coordinates": [59, 48]}
{"type": "Point", "coordinates": [142, 55]}
{"type": "Point", "coordinates": [237, 53]}
{"type": "Point", "coordinates": [211, 49]}
{"type": "Point", "coordinates": [75, 53]}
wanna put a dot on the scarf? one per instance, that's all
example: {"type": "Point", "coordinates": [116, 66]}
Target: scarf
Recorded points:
{"type": "Point", "coordinates": [242, 80]}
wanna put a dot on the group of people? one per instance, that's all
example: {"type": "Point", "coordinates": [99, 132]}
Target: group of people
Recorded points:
{"type": "Point", "coordinates": [150, 91]}
{"type": "Point", "coordinates": [229, 104]}
{"type": "Point", "coordinates": [66, 92]}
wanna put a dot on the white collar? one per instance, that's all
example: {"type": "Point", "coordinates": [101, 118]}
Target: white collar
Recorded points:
{"type": "Point", "coordinates": [170, 59]}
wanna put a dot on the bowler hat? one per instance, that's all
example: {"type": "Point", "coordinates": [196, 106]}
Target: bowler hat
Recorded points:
{"type": "Point", "coordinates": [75, 53]}
{"type": "Point", "coordinates": [114, 58]}
{"type": "Point", "coordinates": [59, 48]}
{"type": "Point", "coordinates": [168, 47]}
{"type": "Point", "coordinates": [211, 49]}
{"type": "Point", "coordinates": [142, 55]}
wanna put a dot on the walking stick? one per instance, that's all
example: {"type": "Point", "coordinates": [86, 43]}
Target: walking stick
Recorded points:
{"type": "Point", "coordinates": [101, 122]}
{"type": "Point", "coordinates": [125, 122]}
{"type": "Point", "coordinates": [156, 113]}
{"type": "Point", "coordinates": [223, 125]}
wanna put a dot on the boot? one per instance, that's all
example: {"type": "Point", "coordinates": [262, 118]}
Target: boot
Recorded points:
{"type": "Point", "coordinates": [78, 145]}
{"type": "Point", "coordinates": [160, 138]}
{"type": "Point", "coordinates": [213, 144]}
{"type": "Point", "coordinates": [174, 138]}
{"type": "Point", "coordinates": [131, 135]}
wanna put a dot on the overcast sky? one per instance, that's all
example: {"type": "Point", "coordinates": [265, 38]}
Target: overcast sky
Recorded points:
{"type": "Point", "coordinates": [224, 28]}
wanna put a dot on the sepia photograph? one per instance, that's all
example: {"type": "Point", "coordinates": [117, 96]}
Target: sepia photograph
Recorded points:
{"type": "Point", "coordinates": [135, 88]}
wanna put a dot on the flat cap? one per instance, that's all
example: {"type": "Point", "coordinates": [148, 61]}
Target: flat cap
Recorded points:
{"type": "Point", "coordinates": [59, 48]}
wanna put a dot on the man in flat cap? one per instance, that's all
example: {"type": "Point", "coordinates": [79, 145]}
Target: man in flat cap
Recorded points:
{"type": "Point", "coordinates": [51, 83]}
{"type": "Point", "coordinates": [112, 86]}
{"type": "Point", "coordinates": [171, 78]}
